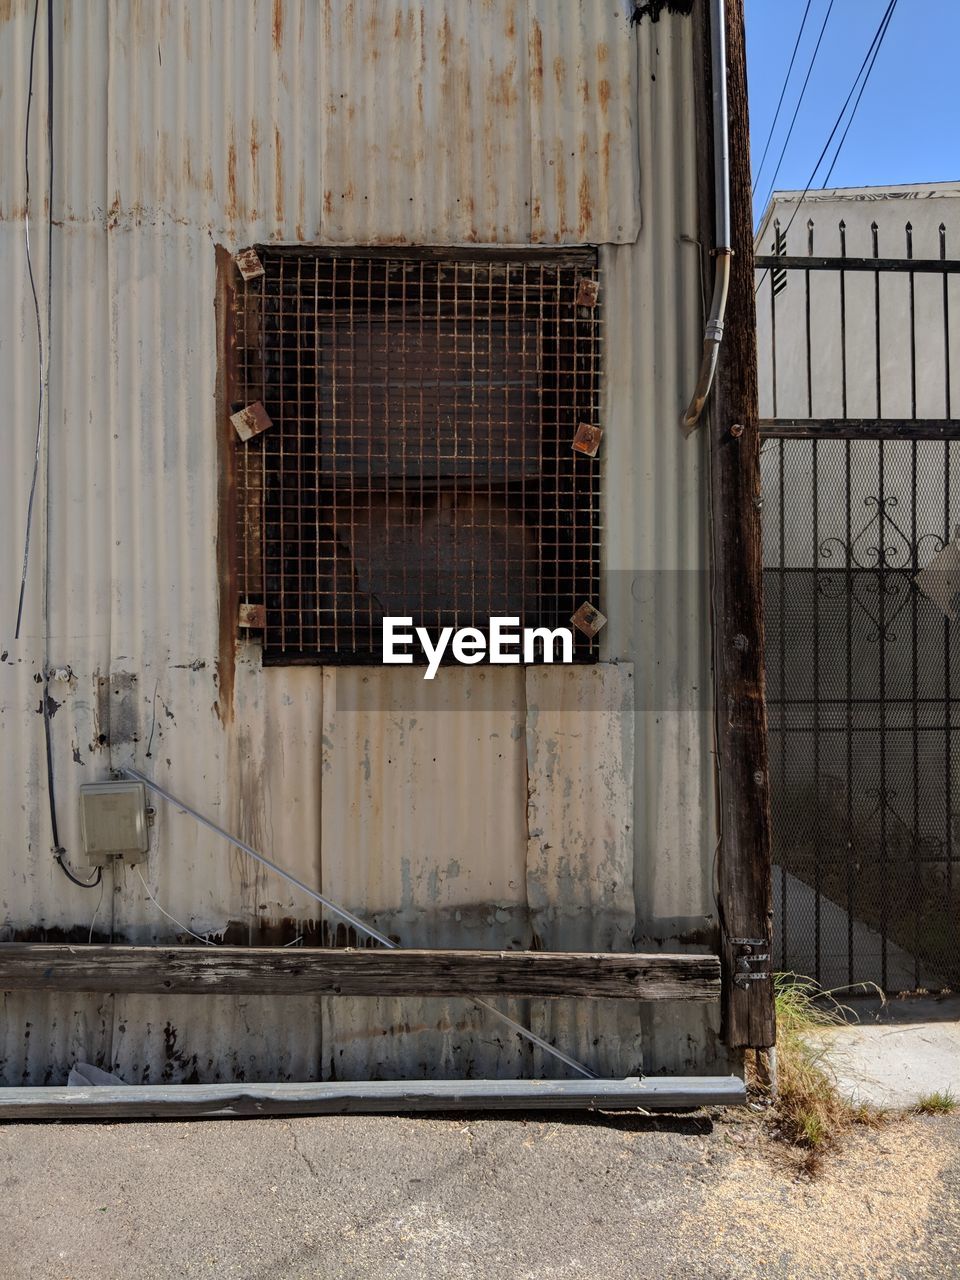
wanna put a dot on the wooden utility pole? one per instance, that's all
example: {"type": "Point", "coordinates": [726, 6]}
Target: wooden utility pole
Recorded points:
{"type": "Point", "coordinates": [744, 866]}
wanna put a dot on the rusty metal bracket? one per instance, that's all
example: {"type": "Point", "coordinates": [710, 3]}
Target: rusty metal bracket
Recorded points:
{"type": "Point", "coordinates": [588, 291]}
{"type": "Point", "coordinates": [251, 421]}
{"type": "Point", "coordinates": [587, 440]}
{"type": "Point", "coordinates": [252, 615]}
{"type": "Point", "coordinates": [752, 960]}
{"type": "Point", "coordinates": [249, 264]}
{"type": "Point", "coordinates": [588, 620]}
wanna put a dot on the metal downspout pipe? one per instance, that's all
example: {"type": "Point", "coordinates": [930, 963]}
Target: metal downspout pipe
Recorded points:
{"type": "Point", "coordinates": [713, 332]}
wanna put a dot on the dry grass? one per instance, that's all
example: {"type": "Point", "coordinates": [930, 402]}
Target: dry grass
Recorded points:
{"type": "Point", "coordinates": [809, 1114]}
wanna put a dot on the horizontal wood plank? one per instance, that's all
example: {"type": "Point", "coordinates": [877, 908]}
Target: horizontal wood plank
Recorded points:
{"type": "Point", "coordinates": [348, 972]}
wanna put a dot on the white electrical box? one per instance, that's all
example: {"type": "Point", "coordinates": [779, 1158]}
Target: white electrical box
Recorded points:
{"type": "Point", "coordinates": [114, 821]}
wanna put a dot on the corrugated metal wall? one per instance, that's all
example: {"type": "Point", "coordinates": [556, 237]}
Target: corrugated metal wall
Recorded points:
{"type": "Point", "coordinates": [180, 126]}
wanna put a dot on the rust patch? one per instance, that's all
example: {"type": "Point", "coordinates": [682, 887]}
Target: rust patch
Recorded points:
{"type": "Point", "coordinates": [278, 24]}
{"type": "Point", "coordinates": [603, 93]}
{"type": "Point", "coordinates": [605, 158]}
{"type": "Point", "coordinates": [510, 27]}
{"type": "Point", "coordinates": [328, 202]}
{"type": "Point", "coordinates": [278, 172]}
{"type": "Point", "coordinates": [583, 88]}
{"type": "Point", "coordinates": [536, 62]}
{"type": "Point", "coordinates": [559, 72]}
{"type": "Point", "coordinates": [232, 180]}
{"type": "Point", "coordinates": [602, 51]}
{"type": "Point", "coordinates": [503, 90]}
{"type": "Point", "coordinates": [561, 181]}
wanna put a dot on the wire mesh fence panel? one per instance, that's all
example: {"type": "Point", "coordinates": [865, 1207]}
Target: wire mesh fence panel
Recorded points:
{"type": "Point", "coordinates": [420, 460]}
{"type": "Point", "coordinates": [861, 580]}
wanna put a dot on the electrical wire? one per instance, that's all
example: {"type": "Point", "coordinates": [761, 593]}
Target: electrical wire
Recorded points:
{"type": "Point", "coordinates": [36, 308]}
{"type": "Point", "coordinates": [146, 888]}
{"type": "Point", "coordinates": [776, 114]}
{"type": "Point", "coordinates": [843, 137]}
{"type": "Point", "coordinates": [869, 58]}
{"type": "Point", "coordinates": [96, 912]}
{"type": "Point", "coordinates": [796, 110]}
{"type": "Point", "coordinates": [42, 439]}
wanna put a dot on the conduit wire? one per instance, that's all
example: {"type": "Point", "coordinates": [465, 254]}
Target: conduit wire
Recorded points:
{"type": "Point", "coordinates": [42, 438]}
{"type": "Point", "coordinates": [347, 916]}
{"type": "Point", "coordinates": [878, 36]}
{"type": "Point", "coordinates": [41, 398]}
{"type": "Point", "coordinates": [776, 114]}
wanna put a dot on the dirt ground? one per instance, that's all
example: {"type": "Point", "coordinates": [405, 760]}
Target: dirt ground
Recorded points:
{"type": "Point", "coordinates": [544, 1196]}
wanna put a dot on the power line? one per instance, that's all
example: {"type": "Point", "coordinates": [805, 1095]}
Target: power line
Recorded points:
{"type": "Point", "coordinates": [887, 19]}
{"type": "Point", "coordinates": [875, 43]}
{"type": "Point", "coordinates": [796, 110]}
{"type": "Point", "coordinates": [776, 114]}
{"type": "Point", "coordinates": [869, 58]}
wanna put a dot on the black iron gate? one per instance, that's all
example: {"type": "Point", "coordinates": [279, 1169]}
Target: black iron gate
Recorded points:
{"type": "Point", "coordinates": [861, 490]}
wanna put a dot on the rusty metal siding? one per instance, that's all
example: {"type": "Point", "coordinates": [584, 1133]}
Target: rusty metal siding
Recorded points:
{"type": "Point", "coordinates": [184, 125]}
{"type": "Point", "coordinates": [387, 121]}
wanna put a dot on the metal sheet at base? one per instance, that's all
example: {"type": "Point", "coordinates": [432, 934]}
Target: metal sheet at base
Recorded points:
{"type": "Point", "coordinates": [42, 1034]}
{"type": "Point", "coordinates": [423, 820]}
{"type": "Point", "coordinates": [662, 1093]}
{"type": "Point", "coordinates": [580, 799]}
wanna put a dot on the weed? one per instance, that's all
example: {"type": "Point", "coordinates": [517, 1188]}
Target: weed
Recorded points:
{"type": "Point", "coordinates": [939, 1103]}
{"type": "Point", "coordinates": [809, 1112]}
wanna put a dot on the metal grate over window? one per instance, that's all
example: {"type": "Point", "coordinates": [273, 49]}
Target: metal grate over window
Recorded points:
{"type": "Point", "coordinates": [410, 421]}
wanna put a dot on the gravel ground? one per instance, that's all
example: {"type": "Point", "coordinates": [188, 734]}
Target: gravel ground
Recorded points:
{"type": "Point", "coordinates": [474, 1197]}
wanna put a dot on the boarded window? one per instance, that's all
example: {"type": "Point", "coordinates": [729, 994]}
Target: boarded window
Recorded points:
{"type": "Point", "coordinates": [420, 460]}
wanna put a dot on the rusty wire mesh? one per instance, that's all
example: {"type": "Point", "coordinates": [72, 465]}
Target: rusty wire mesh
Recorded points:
{"type": "Point", "coordinates": [420, 461]}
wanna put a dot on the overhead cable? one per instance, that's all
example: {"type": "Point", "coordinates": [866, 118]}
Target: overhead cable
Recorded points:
{"type": "Point", "coordinates": [786, 81]}
{"type": "Point", "coordinates": [796, 110]}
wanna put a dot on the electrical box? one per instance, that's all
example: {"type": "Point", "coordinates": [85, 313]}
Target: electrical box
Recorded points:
{"type": "Point", "coordinates": [113, 821]}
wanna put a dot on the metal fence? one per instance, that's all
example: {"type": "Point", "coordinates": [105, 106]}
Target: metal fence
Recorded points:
{"type": "Point", "coordinates": [861, 489]}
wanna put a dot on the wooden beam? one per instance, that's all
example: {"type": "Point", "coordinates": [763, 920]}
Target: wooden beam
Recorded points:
{"type": "Point", "coordinates": [744, 863]}
{"type": "Point", "coordinates": [146, 1101]}
{"type": "Point", "coordinates": [859, 428]}
{"type": "Point", "coordinates": [347, 972]}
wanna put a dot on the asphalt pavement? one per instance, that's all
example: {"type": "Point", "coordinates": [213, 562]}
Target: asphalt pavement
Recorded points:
{"type": "Point", "coordinates": [542, 1196]}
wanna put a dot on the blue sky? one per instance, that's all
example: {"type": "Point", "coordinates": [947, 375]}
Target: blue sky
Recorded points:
{"type": "Point", "coordinates": [907, 127]}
